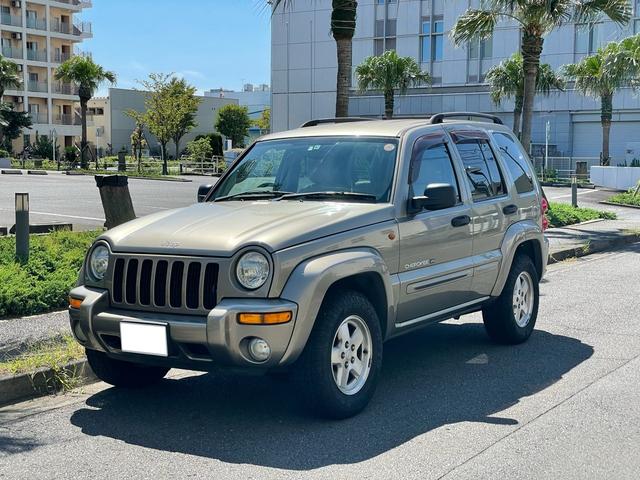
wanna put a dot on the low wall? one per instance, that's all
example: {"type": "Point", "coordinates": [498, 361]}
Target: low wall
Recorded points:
{"type": "Point", "coordinates": [617, 178]}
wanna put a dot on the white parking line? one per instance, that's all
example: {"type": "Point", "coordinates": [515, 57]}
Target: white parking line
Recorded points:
{"type": "Point", "coordinates": [69, 216]}
{"type": "Point", "coordinates": [568, 194]}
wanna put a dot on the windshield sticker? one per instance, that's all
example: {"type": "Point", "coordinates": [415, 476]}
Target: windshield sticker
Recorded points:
{"type": "Point", "coordinates": [389, 147]}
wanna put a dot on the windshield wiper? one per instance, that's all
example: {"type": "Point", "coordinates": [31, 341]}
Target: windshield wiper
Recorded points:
{"type": "Point", "coordinates": [329, 194]}
{"type": "Point", "coordinates": [252, 194]}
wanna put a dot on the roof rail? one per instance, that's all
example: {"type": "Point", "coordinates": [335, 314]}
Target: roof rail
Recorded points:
{"type": "Point", "coordinates": [321, 121]}
{"type": "Point", "coordinates": [440, 117]}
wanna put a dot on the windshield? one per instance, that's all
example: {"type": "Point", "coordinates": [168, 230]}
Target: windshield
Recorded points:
{"type": "Point", "coordinates": [345, 168]}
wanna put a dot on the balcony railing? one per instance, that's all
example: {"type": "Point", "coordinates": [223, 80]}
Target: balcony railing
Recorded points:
{"type": "Point", "coordinates": [39, 117]}
{"type": "Point", "coordinates": [37, 23]}
{"type": "Point", "coordinates": [39, 86]}
{"type": "Point", "coordinates": [12, 52]}
{"type": "Point", "coordinates": [59, 57]}
{"type": "Point", "coordinates": [11, 20]}
{"type": "Point", "coordinates": [61, 27]}
{"type": "Point", "coordinates": [37, 55]}
{"type": "Point", "coordinates": [82, 29]}
{"type": "Point", "coordinates": [65, 88]}
{"type": "Point", "coordinates": [66, 119]}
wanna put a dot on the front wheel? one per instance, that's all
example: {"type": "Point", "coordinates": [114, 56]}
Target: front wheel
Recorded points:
{"type": "Point", "coordinates": [123, 374]}
{"type": "Point", "coordinates": [512, 317]}
{"type": "Point", "coordinates": [340, 365]}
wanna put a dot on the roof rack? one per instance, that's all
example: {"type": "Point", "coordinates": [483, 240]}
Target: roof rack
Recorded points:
{"type": "Point", "coordinates": [322, 121]}
{"type": "Point", "coordinates": [440, 117]}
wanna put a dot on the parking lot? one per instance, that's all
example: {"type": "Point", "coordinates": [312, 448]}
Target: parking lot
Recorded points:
{"type": "Point", "coordinates": [59, 198]}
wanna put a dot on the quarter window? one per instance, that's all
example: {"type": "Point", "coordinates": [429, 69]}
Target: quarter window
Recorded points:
{"type": "Point", "coordinates": [516, 162]}
{"type": "Point", "coordinates": [431, 163]}
{"type": "Point", "coordinates": [483, 174]}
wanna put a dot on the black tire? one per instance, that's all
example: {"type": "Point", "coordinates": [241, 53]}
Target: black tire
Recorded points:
{"type": "Point", "coordinates": [123, 374]}
{"type": "Point", "coordinates": [499, 319]}
{"type": "Point", "coordinates": [314, 373]}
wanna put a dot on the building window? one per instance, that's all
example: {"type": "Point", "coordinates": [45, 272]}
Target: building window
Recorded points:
{"type": "Point", "coordinates": [432, 39]}
{"type": "Point", "coordinates": [587, 38]}
{"type": "Point", "coordinates": [479, 51]}
{"type": "Point", "coordinates": [385, 36]}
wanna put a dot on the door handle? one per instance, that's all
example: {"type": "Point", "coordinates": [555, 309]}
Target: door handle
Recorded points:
{"type": "Point", "coordinates": [510, 209]}
{"type": "Point", "coordinates": [461, 221]}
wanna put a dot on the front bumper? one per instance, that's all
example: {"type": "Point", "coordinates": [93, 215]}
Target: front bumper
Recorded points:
{"type": "Point", "coordinates": [194, 342]}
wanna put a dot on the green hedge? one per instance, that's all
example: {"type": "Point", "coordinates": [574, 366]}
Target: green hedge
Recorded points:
{"type": "Point", "coordinates": [562, 214]}
{"type": "Point", "coordinates": [626, 198]}
{"type": "Point", "coordinates": [44, 282]}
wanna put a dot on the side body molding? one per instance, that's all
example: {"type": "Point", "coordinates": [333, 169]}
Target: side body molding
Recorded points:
{"type": "Point", "coordinates": [310, 281]}
{"type": "Point", "coordinates": [515, 235]}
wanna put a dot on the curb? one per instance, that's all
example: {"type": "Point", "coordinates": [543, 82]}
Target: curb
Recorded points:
{"type": "Point", "coordinates": [42, 382]}
{"type": "Point", "coordinates": [620, 205]}
{"type": "Point", "coordinates": [134, 177]}
{"type": "Point", "coordinates": [37, 172]}
{"type": "Point", "coordinates": [592, 247]}
{"type": "Point", "coordinates": [11, 172]}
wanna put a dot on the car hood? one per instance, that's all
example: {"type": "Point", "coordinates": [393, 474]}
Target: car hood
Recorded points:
{"type": "Point", "coordinates": [221, 228]}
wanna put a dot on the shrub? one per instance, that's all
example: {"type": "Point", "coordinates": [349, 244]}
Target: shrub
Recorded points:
{"type": "Point", "coordinates": [200, 149]}
{"type": "Point", "coordinates": [626, 198]}
{"type": "Point", "coordinates": [215, 140]}
{"type": "Point", "coordinates": [562, 214]}
{"type": "Point", "coordinates": [43, 283]}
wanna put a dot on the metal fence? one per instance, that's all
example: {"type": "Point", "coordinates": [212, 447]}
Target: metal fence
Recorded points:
{"type": "Point", "coordinates": [564, 168]}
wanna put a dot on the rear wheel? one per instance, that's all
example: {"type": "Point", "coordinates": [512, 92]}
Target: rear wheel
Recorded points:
{"type": "Point", "coordinates": [341, 363]}
{"type": "Point", "coordinates": [123, 374]}
{"type": "Point", "coordinates": [512, 317]}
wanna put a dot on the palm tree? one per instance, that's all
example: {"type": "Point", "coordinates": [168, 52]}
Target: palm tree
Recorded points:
{"type": "Point", "coordinates": [536, 18]}
{"type": "Point", "coordinates": [600, 75]}
{"type": "Point", "coordinates": [343, 27]}
{"type": "Point", "coordinates": [88, 75]}
{"type": "Point", "coordinates": [10, 78]}
{"type": "Point", "coordinates": [389, 72]}
{"type": "Point", "coordinates": [507, 81]}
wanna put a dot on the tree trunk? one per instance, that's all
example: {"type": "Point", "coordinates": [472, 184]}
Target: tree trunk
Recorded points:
{"type": "Point", "coordinates": [343, 82]}
{"type": "Point", "coordinates": [177, 142]}
{"type": "Point", "coordinates": [531, 51]}
{"type": "Point", "coordinates": [606, 108]}
{"type": "Point", "coordinates": [343, 27]}
{"type": "Point", "coordinates": [388, 104]}
{"type": "Point", "coordinates": [517, 115]}
{"type": "Point", "coordinates": [165, 166]}
{"type": "Point", "coordinates": [84, 161]}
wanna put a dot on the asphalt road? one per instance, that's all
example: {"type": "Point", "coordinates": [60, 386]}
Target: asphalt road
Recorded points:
{"type": "Point", "coordinates": [58, 198]}
{"type": "Point", "coordinates": [450, 404]}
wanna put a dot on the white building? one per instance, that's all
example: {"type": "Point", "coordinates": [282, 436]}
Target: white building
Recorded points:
{"type": "Point", "coordinates": [39, 35]}
{"type": "Point", "coordinates": [256, 98]}
{"type": "Point", "coordinates": [110, 128]}
{"type": "Point", "coordinates": [304, 69]}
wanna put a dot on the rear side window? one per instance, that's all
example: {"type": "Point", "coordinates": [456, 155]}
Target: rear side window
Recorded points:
{"type": "Point", "coordinates": [431, 163]}
{"type": "Point", "coordinates": [483, 173]}
{"type": "Point", "coordinates": [515, 161]}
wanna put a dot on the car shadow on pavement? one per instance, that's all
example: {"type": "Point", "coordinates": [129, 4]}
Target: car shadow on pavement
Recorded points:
{"type": "Point", "coordinates": [444, 374]}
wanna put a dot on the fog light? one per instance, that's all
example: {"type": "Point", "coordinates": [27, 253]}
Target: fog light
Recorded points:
{"type": "Point", "coordinates": [259, 349]}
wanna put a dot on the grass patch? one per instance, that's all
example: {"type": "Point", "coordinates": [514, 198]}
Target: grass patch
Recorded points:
{"type": "Point", "coordinates": [563, 214]}
{"type": "Point", "coordinates": [43, 283]}
{"type": "Point", "coordinates": [54, 353]}
{"type": "Point", "coordinates": [626, 198]}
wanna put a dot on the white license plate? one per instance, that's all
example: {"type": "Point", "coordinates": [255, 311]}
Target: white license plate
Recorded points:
{"type": "Point", "coordinates": [144, 338]}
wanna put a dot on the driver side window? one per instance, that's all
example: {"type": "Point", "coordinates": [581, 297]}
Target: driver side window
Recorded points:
{"type": "Point", "coordinates": [431, 163]}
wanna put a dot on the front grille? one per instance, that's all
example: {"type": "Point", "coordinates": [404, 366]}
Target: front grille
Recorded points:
{"type": "Point", "coordinates": [166, 284]}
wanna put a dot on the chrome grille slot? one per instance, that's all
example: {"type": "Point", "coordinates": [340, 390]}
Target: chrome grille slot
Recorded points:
{"type": "Point", "coordinates": [164, 284]}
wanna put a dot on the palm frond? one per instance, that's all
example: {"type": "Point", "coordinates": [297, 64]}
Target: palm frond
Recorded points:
{"type": "Point", "coordinates": [589, 10]}
{"type": "Point", "coordinates": [475, 24]}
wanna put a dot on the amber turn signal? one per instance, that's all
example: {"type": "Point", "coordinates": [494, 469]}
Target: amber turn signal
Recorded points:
{"type": "Point", "coordinates": [75, 302]}
{"type": "Point", "coordinates": [264, 318]}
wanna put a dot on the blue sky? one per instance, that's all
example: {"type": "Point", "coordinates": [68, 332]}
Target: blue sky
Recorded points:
{"type": "Point", "coordinates": [212, 43]}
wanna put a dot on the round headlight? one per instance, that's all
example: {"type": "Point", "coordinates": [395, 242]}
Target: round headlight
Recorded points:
{"type": "Point", "coordinates": [99, 262]}
{"type": "Point", "coordinates": [252, 270]}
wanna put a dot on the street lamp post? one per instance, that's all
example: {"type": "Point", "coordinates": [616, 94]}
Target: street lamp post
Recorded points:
{"type": "Point", "coordinates": [54, 135]}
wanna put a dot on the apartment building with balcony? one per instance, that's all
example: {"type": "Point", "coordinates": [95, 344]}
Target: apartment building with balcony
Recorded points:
{"type": "Point", "coordinates": [303, 69]}
{"type": "Point", "coordinates": [39, 35]}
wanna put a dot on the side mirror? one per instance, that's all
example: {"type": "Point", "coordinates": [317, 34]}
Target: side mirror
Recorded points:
{"type": "Point", "coordinates": [437, 196]}
{"type": "Point", "coordinates": [203, 191]}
